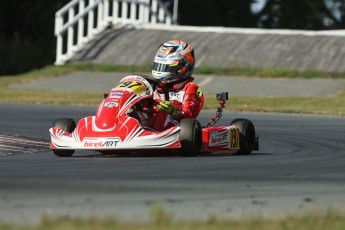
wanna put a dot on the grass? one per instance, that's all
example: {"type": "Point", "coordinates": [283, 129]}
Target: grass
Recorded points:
{"type": "Point", "coordinates": [333, 105]}
{"type": "Point", "coordinates": [312, 220]}
{"type": "Point", "coordinates": [308, 105]}
{"type": "Point", "coordinates": [269, 73]}
{"type": "Point", "coordinates": [265, 73]}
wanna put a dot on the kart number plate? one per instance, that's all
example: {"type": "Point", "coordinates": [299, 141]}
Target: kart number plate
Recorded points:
{"type": "Point", "coordinates": [234, 138]}
{"type": "Point", "coordinates": [136, 86]}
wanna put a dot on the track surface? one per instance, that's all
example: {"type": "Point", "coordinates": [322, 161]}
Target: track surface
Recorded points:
{"type": "Point", "coordinates": [300, 166]}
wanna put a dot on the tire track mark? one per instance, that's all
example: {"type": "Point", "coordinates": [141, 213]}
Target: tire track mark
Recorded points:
{"type": "Point", "coordinates": [21, 145]}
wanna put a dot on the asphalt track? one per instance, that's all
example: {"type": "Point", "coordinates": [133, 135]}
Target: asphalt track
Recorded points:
{"type": "Point", "coordinates": [300, 167]}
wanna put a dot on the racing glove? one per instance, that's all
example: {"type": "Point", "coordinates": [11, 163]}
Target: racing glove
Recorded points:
{"type": "Point", "coordinates": [167, 107]}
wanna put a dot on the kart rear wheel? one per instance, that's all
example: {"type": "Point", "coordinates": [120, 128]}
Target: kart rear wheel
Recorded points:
{"type": "Point", "coordinates": [67, 125]}
{"type": "Point", "coordinates": [248, 138]}
{"type": "Point", "coordinates": [190, 137]}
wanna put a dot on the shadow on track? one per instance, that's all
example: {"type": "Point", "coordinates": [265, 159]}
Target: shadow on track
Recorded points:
{"type": "Point", "coordinates": [91, 154]}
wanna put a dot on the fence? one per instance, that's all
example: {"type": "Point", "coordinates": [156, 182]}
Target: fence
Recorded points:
{"type": "Point", "coordinates": [80, 21]}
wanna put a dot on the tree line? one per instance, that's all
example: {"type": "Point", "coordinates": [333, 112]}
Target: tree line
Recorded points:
{"type": "Point", "coordinates": [274, 14]}
{"type": "Point", "coordinates": [27, 27]}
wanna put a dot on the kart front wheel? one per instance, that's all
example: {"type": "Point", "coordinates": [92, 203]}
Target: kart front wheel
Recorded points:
{"type": "Point", "coordinates": [190, 137]}
{"type": "Point", "coordinates": [248, 138]}
{"type": "Point", "coordinates": [67, 125]}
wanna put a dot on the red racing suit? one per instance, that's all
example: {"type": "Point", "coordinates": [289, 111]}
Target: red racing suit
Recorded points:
{"type": "Point", "coordinates": [188, 101]}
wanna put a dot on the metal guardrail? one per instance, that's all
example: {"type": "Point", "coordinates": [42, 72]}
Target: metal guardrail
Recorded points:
{"type": "Point", "coordinates": [80, 21]}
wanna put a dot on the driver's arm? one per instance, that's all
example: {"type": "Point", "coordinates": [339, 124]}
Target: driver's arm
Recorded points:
{"type": "Point", "coordinates": [193, 101]}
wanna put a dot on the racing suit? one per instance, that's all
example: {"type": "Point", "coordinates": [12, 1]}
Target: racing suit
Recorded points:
{"type": "Point", "coordinates": [188, 99]}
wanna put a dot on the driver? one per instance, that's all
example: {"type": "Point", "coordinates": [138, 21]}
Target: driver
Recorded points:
{"type": "Point", "coordinates": [173, 67]}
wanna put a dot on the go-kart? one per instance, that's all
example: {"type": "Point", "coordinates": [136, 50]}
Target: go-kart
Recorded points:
{"type": "Point", "coordinates": [118, 126]}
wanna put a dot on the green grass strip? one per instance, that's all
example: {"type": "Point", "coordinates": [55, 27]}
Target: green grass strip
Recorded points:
{"type": "Point", "coordinates": [265, 73]}
{"type": "Point", "coordinates": [308, 105]}
{"type": "Point", "coordinates": [315, 221]}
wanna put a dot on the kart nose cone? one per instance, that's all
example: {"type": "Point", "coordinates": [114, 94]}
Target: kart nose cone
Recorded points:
{"type": "Point", "coordinates": [104, 122]}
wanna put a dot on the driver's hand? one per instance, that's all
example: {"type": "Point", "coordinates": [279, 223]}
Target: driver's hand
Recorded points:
{"type": "Point", "coordinates": [167, 107]}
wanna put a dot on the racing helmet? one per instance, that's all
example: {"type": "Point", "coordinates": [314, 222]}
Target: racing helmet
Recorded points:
{"type": "Point", "coordinates": [173, 62]}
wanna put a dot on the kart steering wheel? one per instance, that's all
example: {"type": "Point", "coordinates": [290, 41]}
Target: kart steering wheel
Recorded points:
{"type": "Point", "coordinates": [156, 83]}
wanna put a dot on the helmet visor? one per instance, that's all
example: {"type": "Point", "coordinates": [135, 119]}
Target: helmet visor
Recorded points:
{"type": "Point", "coordinates": [161, 67]}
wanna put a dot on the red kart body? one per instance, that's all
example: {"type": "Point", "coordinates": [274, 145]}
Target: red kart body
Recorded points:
{"type": "Point", "coordinates": [119, 125]}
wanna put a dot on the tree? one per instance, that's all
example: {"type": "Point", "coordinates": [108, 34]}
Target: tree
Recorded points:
{"type": "Point", "coordinates": [27, 34]}
{"type": "Point", "coordinates": [228, 13]}
{"type": "Point", "coordinates": [302, 14]}
{"type": "Point", "coordinates": [282, 14]}
{"type": "Point", "coordinates": [334, 13]}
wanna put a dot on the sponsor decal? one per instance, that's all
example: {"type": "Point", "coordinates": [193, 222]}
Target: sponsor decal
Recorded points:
{"type": "Point", "coordinates": [110, 105]}
{"type": "Point", "coordinates": [176, 96]}
{"type": "Point", "coordinates": [218, 138]}
{"type": "Point", "coordinates": [132, 78]}
{"type": "Point", "coordinates": [108, 143]}
{"type": "Point", "coordinates": [116, 94]}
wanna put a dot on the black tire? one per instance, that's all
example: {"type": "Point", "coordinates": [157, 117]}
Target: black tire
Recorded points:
{"type": "Point", "coordinates": [190, 137]}
{"type": "Point", "coordinates": [67, 125]}
{"type": "Point", "coordinates": [247, 135]}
